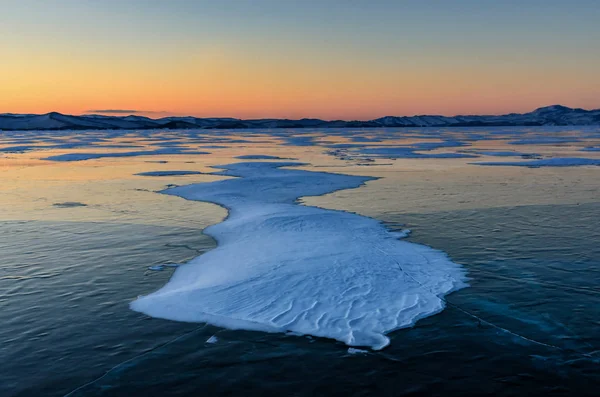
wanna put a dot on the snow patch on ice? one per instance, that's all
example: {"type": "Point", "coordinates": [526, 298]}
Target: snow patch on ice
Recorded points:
{"type": "Point", "coordinates": [401, 233]}
{"type": "Point", "coordinates": [159, 268]}
{"type": "Point", "coordinates": [212, 340]}
{"type": "Point", "coordinates": [352, 350]}
{"type": "Point", "coordinates": [280, 266]}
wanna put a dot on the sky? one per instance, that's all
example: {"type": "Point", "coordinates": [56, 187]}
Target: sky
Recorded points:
{"type": "Point", "coordinates": [331, 59]}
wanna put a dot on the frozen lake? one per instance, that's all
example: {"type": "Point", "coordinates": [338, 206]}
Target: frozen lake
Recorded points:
{"type": "Point", "coordinates": [350, 300]}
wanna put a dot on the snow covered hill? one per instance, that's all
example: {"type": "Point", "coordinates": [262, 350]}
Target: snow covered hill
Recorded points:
{"type": "Point", "coordinates": [550, 115]}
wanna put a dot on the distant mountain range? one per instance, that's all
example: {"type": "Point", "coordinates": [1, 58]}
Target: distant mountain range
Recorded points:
{"type": "Point", "coordinates": [551, 115]}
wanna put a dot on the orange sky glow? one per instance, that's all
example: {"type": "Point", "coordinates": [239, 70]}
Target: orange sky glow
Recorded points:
{"type": "Point", "coordinates": [305, 72]}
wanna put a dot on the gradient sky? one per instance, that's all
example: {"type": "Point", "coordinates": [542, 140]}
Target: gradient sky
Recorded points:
{"type": "Point", "coordinates": [350, 59]}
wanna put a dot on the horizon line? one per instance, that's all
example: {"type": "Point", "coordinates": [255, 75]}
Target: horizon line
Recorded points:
{"type": "Point", "coordinates": [122, 113]}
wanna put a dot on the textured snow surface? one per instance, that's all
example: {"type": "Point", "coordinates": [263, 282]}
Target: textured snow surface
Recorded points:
{"type": "Point", "coordinates": [280, 266]}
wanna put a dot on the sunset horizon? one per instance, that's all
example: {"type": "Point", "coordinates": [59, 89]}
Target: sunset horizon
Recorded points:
{"type": "Point", "coordinates": [329, 60]}
{"type": "Point", "coordinates": [162, 114]}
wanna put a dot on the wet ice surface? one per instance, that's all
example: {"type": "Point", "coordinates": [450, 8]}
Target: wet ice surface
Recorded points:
{"type": "Point", "coordinates": [527, 324]}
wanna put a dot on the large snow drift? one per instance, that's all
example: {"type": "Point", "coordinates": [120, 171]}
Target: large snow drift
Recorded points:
{"type": "Point", "coordinates": [280, 266]}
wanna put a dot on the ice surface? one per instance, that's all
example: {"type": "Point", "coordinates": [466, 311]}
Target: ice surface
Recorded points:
{"type": "Point", "coordinates": [437, 145]}
{"type": "Point", "coordinates": [544, 140]}
{"type": "Point", "coordinates": [17, 149]}
{"type": "Point", "coordinates": [280, 266]}
{"type": "Point", "coordinates": [409, 153]}
{"type": "Point", "coordinates": [69, 204]}
{"type": "Point", "coordinates": [259, 157]}
{"type": "Point", "coordinates": [299, 140]}
{"type": "Point", "coordinates": [70, 145]}
{"type": "Point", "coordinates": [364, 139]}
{"type": "Point", "coordinates": [500, 153]}
{"type": "Point", "coordinates": [412, 151]}
{"type": "Point", "coordinates": [553, 162]}
{"type": "Point", "coordinates": [88, 156]}
{"type": "Point", "coordinates": [168, 173]}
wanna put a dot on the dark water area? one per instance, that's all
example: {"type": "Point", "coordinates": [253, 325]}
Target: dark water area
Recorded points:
{"type": "Point", "coordinates": [528, 325]}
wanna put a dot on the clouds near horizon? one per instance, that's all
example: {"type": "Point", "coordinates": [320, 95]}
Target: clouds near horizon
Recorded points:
{"type": "Point", "coordinates": [115, 111]}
